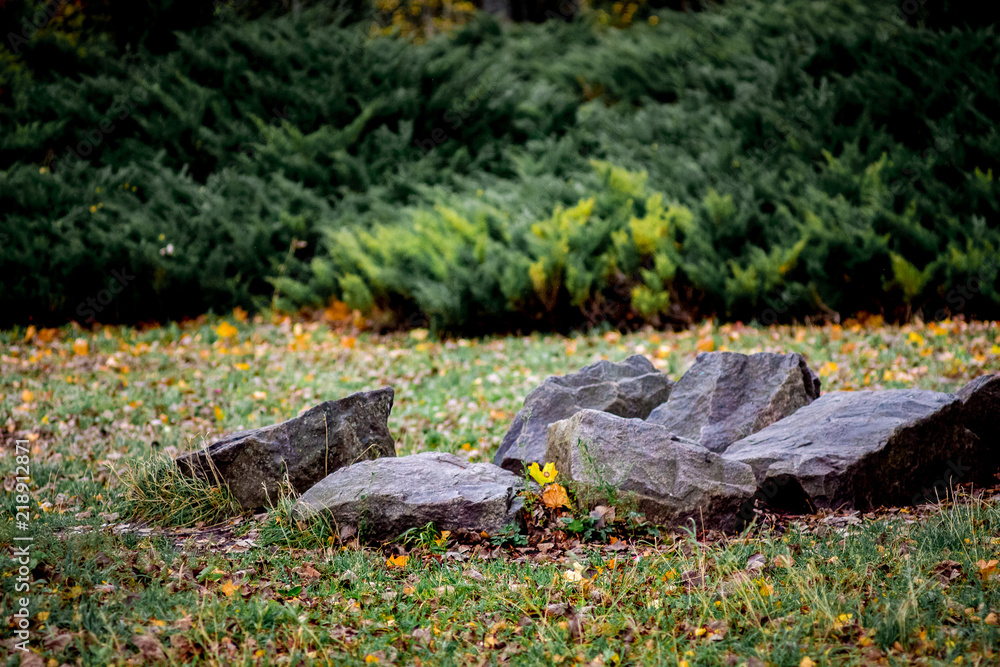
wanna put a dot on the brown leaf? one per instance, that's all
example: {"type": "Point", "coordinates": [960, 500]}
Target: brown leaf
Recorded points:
{"type": "Point", "coordinates": [307, 571]}
{"type": "Point", "coordinates": [692, 578]}
{"type": "Point", "coordinates": [55, 644]}
{"type": "Point", "coordinates": [756, 562]}
{"type": "Point", "coordinates": [150, 647]}
{"type": "Point", "coordinates": [947, 571]}
{"type": "Point", "coordinates": [32, 660]}
{"type": "Point", "coordinates": [181, 648]}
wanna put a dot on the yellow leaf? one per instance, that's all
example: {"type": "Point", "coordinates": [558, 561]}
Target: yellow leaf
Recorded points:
{"type": "Point", "coordinates": [219, 414]}
{"type": "Point", "coordinates": [75, 592]}
{"type": "Point", "coordinates": [27, 396]}
{"type": "Point", "coordinates": [371, 659]}
{"type": "Point", "coordinates": [546, 475]}
{"type": "Point", "coordinates": [807, 662]}
{"type": "Point", "coordinates": [226, 330]}
{"type": "Point", "coordinates": [397, 561]}
{"type": "Point", "coordinates": [228, 588]}
{"type": "Point", "coordinates": [80, 347]}
{"type": "Point", "coordinates": [555, 496]}
{"type": "Point", "coordinates": [44, 616]}
{"type": "Point", "coordinates": [242, 366]}
{"type": "Point", "coordinates": [986, 568]}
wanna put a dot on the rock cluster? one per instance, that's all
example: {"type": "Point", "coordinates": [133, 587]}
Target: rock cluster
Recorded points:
{"type": "Point", "coordinates": [734, 431]}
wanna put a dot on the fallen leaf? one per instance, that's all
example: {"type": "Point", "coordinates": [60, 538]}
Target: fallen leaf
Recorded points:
{"type": "Point", "coordinates": [947, 571]}
{"type": "Point", "coordinates": [226, 330]}
{"type": "Point", "coordinates": [756, 562]}
{"type": "Point", "coordinates": [397, 561]}
{"type": "Point", "coordinates": [555, 496]}
{"type": "Point", "coordinates": [228, 588]}
{"type": "Point", "coordinates": [150, 647]}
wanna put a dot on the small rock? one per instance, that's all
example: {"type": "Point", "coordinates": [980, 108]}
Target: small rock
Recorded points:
{"type": "Point", "coordinates": [388, 496]}
{"type": "Point", "coordinates": [671, 480]}
{"type": "Point", "coordinates": [631, 388]}
{"type": "Point", "coordinates": [726, 396]}
{"type": "Point", "coordinates": [861, 450]}
{"type": "Point", "coordinates": [306, 448]}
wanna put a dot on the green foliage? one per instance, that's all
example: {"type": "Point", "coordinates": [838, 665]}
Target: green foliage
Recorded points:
{"type": "Point", "coordinates": [777, 152]}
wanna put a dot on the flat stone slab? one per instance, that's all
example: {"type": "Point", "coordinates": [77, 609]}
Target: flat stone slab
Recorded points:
{"type": "Point", "coordinates": [631, 388]}
{"type": "Point", "coordinates": [385, 497]}
{"type": "Point", "coordinates": [671, 480]}
{"type": "Point", "coordinates": [861, 450]}
{"type": "Point", "coordinates": [306, 449]}
{"type": "Point", "coordinates": [726, 396]}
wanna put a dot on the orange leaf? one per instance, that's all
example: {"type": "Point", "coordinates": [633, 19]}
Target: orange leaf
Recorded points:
{"type": "Point", "coordinates": [226, 330]}
{"type": "Point", "coordinates": [706, 345]}
{"type": "Point", "coordinates": [397, 561]}
{"type": "Point", "coordinates": [80, 346]}
{"type": "Point", "coordinates": [555, 496]}
{"type": "Point", "coordinates": [986, 568]}
{"type": "Point", "coordinates": [229, 588]}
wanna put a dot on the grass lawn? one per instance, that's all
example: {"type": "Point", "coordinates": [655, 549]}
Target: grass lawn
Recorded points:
{"type": "Point", "coordinates": [119, 575]}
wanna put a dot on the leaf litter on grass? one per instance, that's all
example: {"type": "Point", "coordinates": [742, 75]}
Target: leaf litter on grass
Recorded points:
{"type": "Point", "coordinates": [898, 585]}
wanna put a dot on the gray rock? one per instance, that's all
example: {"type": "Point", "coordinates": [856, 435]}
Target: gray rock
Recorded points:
{"type": "Point", "coordinates": [306, 448]}
{"type": "Point", "coordinates": [671, 480]}
{"type": "Point", "coordinates": [726, 396]}
{"type": "Point", "coordinates": [862, 449]}
{"type": "Point", "coordinates": [386, 497]}
{"type": "Point", "coordinates": [981, 410]}
{"type": "Point", "coordinates": [631, 388]}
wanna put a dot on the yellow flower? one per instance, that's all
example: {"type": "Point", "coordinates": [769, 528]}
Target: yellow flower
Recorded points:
{"type": "Point", "coordinates": [546, 475]}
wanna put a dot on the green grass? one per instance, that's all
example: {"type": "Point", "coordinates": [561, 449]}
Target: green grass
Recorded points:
{"type": "Point", "coordinates": [897, 587]}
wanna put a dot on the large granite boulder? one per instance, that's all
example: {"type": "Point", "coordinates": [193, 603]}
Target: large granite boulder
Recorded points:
{"type": "Point", "coordinates": [670, 479]}
{"type": "Point", "coordinates": [256, 463]}
{"type": "Point", "coordinates": [631, 388]}
{"type": "Point", "coordinates": [385, 497]}
{"type": "Point", "coordinates": [863, 449]}
{"type": "Point", "coordinates": [981, 410]}
{"type": "Point", "coordinates": [726, 396]}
